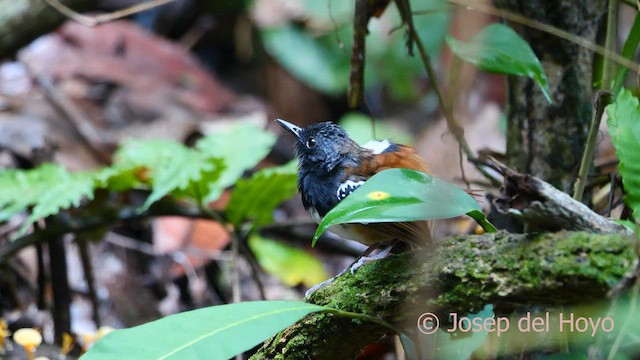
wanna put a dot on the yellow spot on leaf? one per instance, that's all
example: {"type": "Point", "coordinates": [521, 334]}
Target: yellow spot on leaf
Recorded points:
{"type": "Point", "coordinates": [378, 195]}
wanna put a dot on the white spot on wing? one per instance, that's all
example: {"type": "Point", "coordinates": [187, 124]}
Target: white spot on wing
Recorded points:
{"type": "Point", "coordinates": [377, 146]}
{"type": "Point", "coordinates": [347, 188]}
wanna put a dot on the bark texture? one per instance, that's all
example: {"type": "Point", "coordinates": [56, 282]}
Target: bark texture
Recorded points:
{"type": "Point", "coordinates": [543, 139]}
{"type": "Point", "coordinates": [21, 21]}
{"type": "Point", "coordinates": [462, 275]}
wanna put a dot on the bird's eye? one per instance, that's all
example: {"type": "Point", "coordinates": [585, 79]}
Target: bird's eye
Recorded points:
{"type": "Point", "coordinates": [311, 142]}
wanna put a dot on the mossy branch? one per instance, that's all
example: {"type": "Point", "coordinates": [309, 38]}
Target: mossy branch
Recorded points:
{"type": "Point", "coordinates": [462, 275]}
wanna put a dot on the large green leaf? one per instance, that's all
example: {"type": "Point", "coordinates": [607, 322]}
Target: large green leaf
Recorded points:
{"type": "Point", "coordinates": [218, 332]}
{"type": "Point", "coordinates": [499, 49]}
{"type": "Point", "coordinates": [257, 197]}
{"type": "Point", "coordinates": [291, 265]}
{"type": "Point", "coordinates": [48, 188]}
{"type": "Point", "coordinates": [624, 127]}
{"type": "Point", "coordinates": [402, 195]}
{"type": "Point", "coordinates": [241, 146]}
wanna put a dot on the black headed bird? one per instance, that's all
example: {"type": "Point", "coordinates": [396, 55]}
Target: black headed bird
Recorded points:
{"type": "Point", "coordinates": [332, 165]}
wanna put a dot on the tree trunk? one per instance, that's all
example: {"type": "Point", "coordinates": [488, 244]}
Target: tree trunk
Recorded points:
{"type": "Point", "coordinates": [21, 21]}
{"type": "Point", "coordinates": [543, 139]}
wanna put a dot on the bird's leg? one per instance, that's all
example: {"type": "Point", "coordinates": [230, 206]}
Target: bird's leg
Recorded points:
{"type": "Point", "coordinates": [373, 252]}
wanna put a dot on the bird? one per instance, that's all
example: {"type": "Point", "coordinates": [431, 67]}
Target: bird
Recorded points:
{"type": "Point", "coordinates": [331, 166]}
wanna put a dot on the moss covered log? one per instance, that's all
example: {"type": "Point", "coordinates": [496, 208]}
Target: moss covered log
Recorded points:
{"type": "Point", "coordinates": [462, 275]}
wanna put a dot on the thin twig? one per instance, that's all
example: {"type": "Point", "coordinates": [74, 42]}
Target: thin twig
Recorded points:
{"type": "Point", "coordinates": [456, 130]}
{"type": "Point", "coordinates": [235, 253]}
{"type": "Point", "coordinates": [148, 249]}
{"type": "Point", "coordinates": [109, 214]}
{"type": "Point", "coordinates": [254, 265]}
{"type": "Point", "coordinates": [356, 77]}
{"type": "Point", "coordinates": [603, 98]}
{"type": "Point", "coordinates": [99, 19]}
{"type": "Point", "coordinates": [87, 269]}
{"type": "Point", "coordinates": [608, 69]}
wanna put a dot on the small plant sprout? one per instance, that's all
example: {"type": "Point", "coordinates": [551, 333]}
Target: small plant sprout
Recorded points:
{"type": "Point", "coordinates": [30, 339]}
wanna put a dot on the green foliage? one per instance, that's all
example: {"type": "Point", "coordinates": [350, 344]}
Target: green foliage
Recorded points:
{"type": "Point", "coordinates": [48, 189]}
{"type": "Point", "coordinates": [311, 62]}
{"type": "Point", "coordinates": [402, 195]}
{"type": "Point", "coordinates": [628, 51]}
{"type": "Point", "coordinates": [289, 264]}
{"type": "Point", "coordinates": [624, 127]}
{"type": "Point", "coordinates": [218, 332]}
{"type": "Point", "coordinates": [241, 146]}
{"type": "Point", "coordinates": [163, 167]}
{"type": "Point", "coordinates": [320, 59]}
{"type": "Point", "coordinates": [168, 167]}
{"type": "Point", "coordinates": [499, 49]}
{"type": "Point", "coordinates": [358, 126]}
{"type": "Point", "coordinates": [256, 198]}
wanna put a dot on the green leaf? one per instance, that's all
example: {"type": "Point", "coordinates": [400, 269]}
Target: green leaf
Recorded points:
{"type": "Point", "coordinates": [499, 49]}
{"type": "Point", "coordinates": [241, 146]}
{"type": "Point", "coordinates": [218, 332]}
{"type": "Point", "coordinates": [624, 126]}
{"type": "Point", "coordinates": [289, 264]}
{"type": "Point", "coordinates": [49, 188]}
{"type": "Point", "coordinates": [171, 167]}
{"type": "Point", "coordinates": [306, 59]}
{"type": "Point", "coordinates": [628, 51]}
{"type": "Point", "coordinates": [402, 195]}
{"type": "Point", "coordinates": [257, 197]}
{"type": "Point", "coordinates": [320, 55]}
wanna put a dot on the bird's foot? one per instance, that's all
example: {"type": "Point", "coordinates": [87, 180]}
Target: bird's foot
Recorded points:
{"type": "Point", "coordinates": [317, 287]}
{"type": "Point", "coordinates": [376, 254]}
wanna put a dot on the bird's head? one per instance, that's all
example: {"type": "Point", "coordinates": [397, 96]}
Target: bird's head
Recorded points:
{"type": "Point", "coordinates": [322, 146]}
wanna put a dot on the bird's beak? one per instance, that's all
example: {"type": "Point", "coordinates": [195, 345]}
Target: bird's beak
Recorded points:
{"type": "Point", "coordinates": [295, 130]}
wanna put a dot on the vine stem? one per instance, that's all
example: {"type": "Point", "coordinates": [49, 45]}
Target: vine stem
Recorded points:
{"type": "Point", "coordinates": [364, 317]}
{"type": "Point", "coordinates": [454, 127]}
{"type": "Point", "coordinates": [603, 98]}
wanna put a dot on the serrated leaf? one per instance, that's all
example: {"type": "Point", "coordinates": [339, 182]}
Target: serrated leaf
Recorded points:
{"type": "Point", "coordinates": [241, 146]}
{"type": "Point", "coordinates": [257, 197]}
{"type": "Point", "coordinates": [48, 188]}
{"type": "Point", "coordinates": [289, 264]}
{"type": "Point", "coordinates": [403, 195]}
{"type": "Point", "coordinates": [498, 49]}
{"type": "Point", "coordinates": [218, 332]}
{"type": "Point", "coordinates": [171, 167]}
{"type": "Point", "coordinates": [624, 126]}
